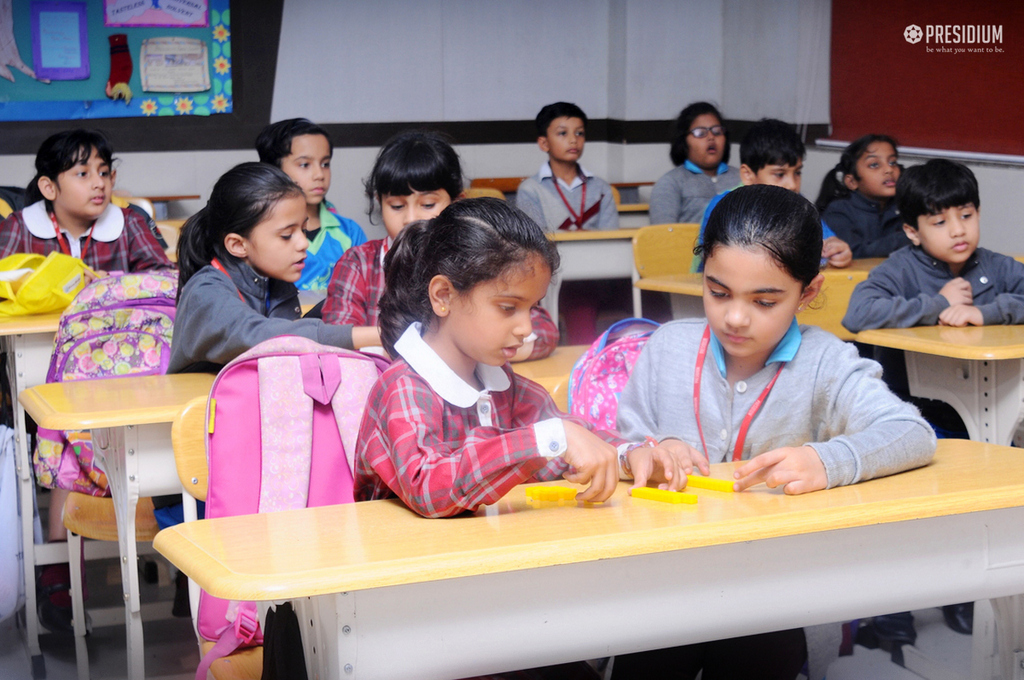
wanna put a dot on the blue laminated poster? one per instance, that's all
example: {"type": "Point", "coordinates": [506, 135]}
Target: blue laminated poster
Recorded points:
{"type": "Point", "coordinates": [60, 40]}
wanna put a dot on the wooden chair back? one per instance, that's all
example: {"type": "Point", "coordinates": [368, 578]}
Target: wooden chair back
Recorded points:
{"type": "Point", "coordinates": [506, 185]}
{"type": "Point", "coordinates": [478, 192]}
{"type": "Point", "coordinates": [662, 249]}
{"type": "Point", "coordinates": [188, 437]}
{"type": "Point", "coordinates": [828, 310]}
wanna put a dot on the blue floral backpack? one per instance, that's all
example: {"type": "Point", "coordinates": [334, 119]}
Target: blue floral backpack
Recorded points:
{"type": "Point", "coordinates": [602, 372]}
{"type": "Point", "coordinates": [117, 326]}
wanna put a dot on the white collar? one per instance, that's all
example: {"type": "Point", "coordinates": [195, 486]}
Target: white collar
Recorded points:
{"type": "Point", "coordinates": [545, 172]}
{"type": "Point", "coordinates": [108, 227]}
{"type": "Point", "coordinates": [439, 375]}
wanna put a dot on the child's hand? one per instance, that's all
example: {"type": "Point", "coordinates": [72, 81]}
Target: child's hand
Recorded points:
{"type": "Point", "coordinates": [365, 336]}
{"type": "Point", "coordinates": [797, 469]}
{"type": "Point", "coordinates": [957, 292]}
{"type": "Point", "coordinates": [594, 460]}
{"type": "Point", "coordinates": [687, 457]}
{"type": "Point", "coordinates": [961, 315]}
{"type": "Point", "coordinates": [837, 252]}
{"type": "Point", "coordinates": [91, 275]}
{"type": "Point", "coordinates": [665, 465]}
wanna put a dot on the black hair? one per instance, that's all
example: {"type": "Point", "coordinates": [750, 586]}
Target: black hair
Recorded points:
{"type": "Point", "coordinates": [274, 142]}
{"type": "Point", "coordinates": [414, 160]}
{"type": "Point", "coordinates": [552, 112]}
{"type": "Point", "coordinates": [680, 148]}
{"type": "Point", "coordinates": [63, 151]}
{"type": "Point", "coordinates": [771, 142]}
{"type": "Point", "coordinates": [240, 200]}
{"type": "Point", "coordinates": [472, 241]}
{"type": "Point", "coordinates": [781, 221]}
{"type": "Point", "coordinates": [832, 186]}
{"type": "Point", "coordinates": [936, 186]}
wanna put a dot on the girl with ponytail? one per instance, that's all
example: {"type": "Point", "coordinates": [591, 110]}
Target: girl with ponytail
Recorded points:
{"type": "Point", "coordinates": [239, 259]}
{"type": "Point", "coordinates": [449, 427]}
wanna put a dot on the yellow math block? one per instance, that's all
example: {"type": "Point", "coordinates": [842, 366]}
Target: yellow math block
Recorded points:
{"type": "Point", "coordinates": [700, 482]}
{"type": "Point", "coordinates": [664, 495]}
{"type": "Point", "coordinates": [550, 493]}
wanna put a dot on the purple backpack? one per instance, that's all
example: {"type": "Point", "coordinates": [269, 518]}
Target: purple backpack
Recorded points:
{"type": "Point", "coordinates": [116, 326]}
{"type": "Point", "coordinates": [600, 374]}
{"type": "Point", "coordinates": [282, 424]}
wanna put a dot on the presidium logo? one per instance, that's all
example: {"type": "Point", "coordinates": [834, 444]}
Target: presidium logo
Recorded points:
{"type": "Point", "coordinates": [975, 38]}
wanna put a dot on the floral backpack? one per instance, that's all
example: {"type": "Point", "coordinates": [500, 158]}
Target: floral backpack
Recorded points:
{"type": "Point", "coordinates": [118, 325]}
{"type": "Point", "coordinates": [600, 374]}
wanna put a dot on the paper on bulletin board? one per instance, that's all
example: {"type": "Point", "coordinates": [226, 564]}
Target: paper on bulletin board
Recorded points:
{"type": "Point", "coordinates": [60, 40]}
{"type": "Point", "coordinates": [174, 65]}
{"type": "Point", "coordinates": [138, 13]}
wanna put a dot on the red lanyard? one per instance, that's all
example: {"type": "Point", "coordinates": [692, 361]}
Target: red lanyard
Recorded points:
{"type": "Point", "coordinates": [62, 241]}
{"type": "Point", "coordinates": [215, 263]}
{"type": "Point", "coordinates": [737, 453]}
{"type": "Point", "coordinates": [576, 219]}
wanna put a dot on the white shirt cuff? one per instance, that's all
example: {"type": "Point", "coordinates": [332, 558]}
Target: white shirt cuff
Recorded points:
{"type": "Point", "coordinates": [550, 433]}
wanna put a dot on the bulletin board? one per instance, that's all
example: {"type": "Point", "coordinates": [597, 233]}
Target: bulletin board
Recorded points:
{"type": "Point", "coordinates": [892, 75]}
{"type": "Point", "coordinates": [174, 48]}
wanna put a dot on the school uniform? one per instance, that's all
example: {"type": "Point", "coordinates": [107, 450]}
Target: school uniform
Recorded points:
{"type": "Point", "coordinates": [354, 293]}
{"type": "Point", "coordinates": [904, 290]}
{"type": "Point", "coordinates": [326, 245]}
{"type": "Point", "coordinates": [443, 446]}
{"type": "Point", "coordinates": [870, 230]}
{"type": "Point", "coordinates": [682, 193]}
{"type": "Point", "coordinates": [586, 203]}
{"type": "Point", "coordinates": [220, 315]}
{"type": "Point", "coordinates": [825, 396]}
{"type": "Point", "coordinates": [119, 240]}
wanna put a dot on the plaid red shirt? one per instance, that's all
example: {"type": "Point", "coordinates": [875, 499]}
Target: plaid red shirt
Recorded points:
{"type": "Point", "coordinates": [356, 286]}
{"type": "Point", "coordinates": [136, 249]}
{"type": "Point", "coordinates": [438, 457]}
{"type": "Point", "coordinates": [358, 282]}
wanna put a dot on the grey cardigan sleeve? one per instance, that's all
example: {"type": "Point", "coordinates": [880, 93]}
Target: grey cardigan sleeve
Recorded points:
{"type": "Point", "coordinates": [666, 201]}
{"type": "Point", "coordinates": [528, 200]}
{"type": "Point", "coordinates": [877, 434]}
{"type": "Point", "coordinates": [1008, 307]}
{"type": "Point", "coordinates": [608, 218]}
{"type": "Point", "coordinates": [878, 302]}
{"type": "Point", "coordinates": [212, 324]}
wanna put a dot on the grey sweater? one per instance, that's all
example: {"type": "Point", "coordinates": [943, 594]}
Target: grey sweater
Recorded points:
{"type": "Point", "coordinates": [681, 195]}
{"type": "Point", "coordinates": [826, 397]}
{"type": "Point", "coordinates": [537, 197]}
{"type": "Point", "coordinates": [213, 325]}
{"type": "Point", "coordinates": [904, 290]}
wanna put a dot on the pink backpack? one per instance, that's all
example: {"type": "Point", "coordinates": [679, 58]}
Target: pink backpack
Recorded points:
{"type": "Point", "coordinates": [600, 374]}
{"type": "Point", "coordinates": [116, 326]}
{"type": "Point", "coordinates": [283, 420]}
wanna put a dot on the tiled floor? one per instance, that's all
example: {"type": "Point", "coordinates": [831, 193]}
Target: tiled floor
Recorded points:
{"type": "Point", "coordinates": [171, 651]}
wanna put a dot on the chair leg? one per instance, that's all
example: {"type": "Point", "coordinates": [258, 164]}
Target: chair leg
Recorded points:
{"type": "Point", "coordinates": [78, 604]}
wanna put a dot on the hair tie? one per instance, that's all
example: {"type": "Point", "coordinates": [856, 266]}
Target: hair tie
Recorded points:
{"type": "Point", "coordinates": [839, 175]}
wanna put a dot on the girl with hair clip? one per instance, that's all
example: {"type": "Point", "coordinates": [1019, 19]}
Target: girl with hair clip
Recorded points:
{"type": "Point", "coordinates": [857, 197]}
{"type": "Point", "coordinates": [68, 210]}
{"type": "Point", "coordinates": [700, 152]}
{"type": "Point", "coordinates": [240, 257]}
{"type": "Point", "coordinates": [417, 174]}
{"type": "Point", "coordinates": [797, 405]}
{"type": "Point", "coordinates": [449, 427]}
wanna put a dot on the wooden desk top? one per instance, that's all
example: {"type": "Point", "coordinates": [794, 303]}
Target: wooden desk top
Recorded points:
{"type": "Point", "coordinates": [339, 548]}
{"type": "Point", "coordinates": [33, 323]}
{"type": "Point", "coordinates": [134, 400]}
{"type": "Point", "coordinates": [634, 207]}
{"type": "Point", "coordinates": [555, 366]}
{"type": "Point", "coordinates": [164, 199]}
{"type": "Point", "coordinates": [592, 235]}
{"type": "Point", "coordinates": [972, 342]}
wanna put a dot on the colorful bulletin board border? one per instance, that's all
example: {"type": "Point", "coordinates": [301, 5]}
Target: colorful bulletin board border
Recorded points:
{"type": "Point", "coordinates": [26, 99]}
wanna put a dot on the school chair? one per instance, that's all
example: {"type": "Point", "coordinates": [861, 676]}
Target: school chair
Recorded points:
{"type": "Point", "coordinates": [617, 196]}
{"type": "Point", "coordinates": [478, 192]}
{"type": "Point", "coordinates": [506, 185]}
{"type": "Point", "coordinates": [662, 249]}
{"type": "Point", "coordinates": [93, 517]}
{"type": "Point", "coordinates": [189, 442]}
{"type": "Point", "coordinates": [125, 201]}
{"type": "Point", "coordinates": [11, 200]}
{"type": "Point", "coordinates": [171, 230]}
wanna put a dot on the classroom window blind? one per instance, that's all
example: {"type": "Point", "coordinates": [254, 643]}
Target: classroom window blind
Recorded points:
{"type": "Point", "coordinates": [939, 74]}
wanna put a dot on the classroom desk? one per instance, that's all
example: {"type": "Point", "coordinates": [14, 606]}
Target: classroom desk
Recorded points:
{"type": "Point", "coordinates": [28, 341]}
{"type": "Point", "coordinates": [687, 290]}
{"type": "Point", "coordinates": [518, 585]}
{"type": "Point", "coordinates": [130, 419]}
{"type": "Point", "coordinates": [589, 255]}
{"type": "Point", "coordinates": [552, 372]}
{"type": "Point", "coordinates": [978, 370]}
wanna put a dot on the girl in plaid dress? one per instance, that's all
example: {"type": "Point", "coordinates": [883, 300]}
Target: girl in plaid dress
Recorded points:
{"type": "Point", "coordinates": [449, 426]}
